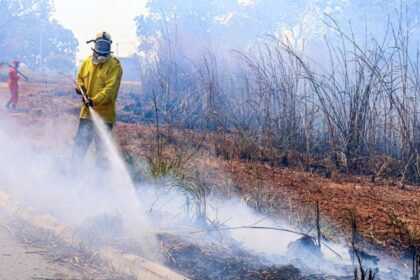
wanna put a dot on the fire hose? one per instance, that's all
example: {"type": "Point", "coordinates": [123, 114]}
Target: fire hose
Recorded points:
{"type": "Point", "coordinates": [86, 100]}
{"type": "Point", "coordinates": [20, 73]}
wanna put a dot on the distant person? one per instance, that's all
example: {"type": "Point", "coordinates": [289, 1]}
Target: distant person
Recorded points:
{"type": "Point", "coordinates": [13, 86]}
{"type": "Point", "coordinates": [99, 77]}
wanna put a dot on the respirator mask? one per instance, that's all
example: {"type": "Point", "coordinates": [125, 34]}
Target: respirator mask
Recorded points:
{"type": "Point", "coordinates": [102, 46]}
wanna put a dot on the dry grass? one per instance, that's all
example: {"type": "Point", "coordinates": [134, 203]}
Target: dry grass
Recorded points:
{"type": "Point", "coordinates": [289, 192]}
{"type": "Point", "coordinates": [88, 264]}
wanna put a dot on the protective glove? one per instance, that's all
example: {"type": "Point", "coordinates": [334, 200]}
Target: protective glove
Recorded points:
{"type": "Point", "coordinates": [88, 102]}
{"type": "Point", "coordinates": [78, 91]}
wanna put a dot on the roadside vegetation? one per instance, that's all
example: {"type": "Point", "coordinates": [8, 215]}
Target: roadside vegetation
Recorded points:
{"type": "Point", "coordinates": [350, 115]}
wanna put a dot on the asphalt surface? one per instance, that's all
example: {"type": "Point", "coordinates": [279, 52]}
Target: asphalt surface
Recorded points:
{"type": "Point", "coordinates": [20, 261]}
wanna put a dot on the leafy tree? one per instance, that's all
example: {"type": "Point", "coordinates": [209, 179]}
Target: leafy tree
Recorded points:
{"type": "Point", "coordinates": [238, 23]}
{"type": "Point", "coordinates": [30, 35]}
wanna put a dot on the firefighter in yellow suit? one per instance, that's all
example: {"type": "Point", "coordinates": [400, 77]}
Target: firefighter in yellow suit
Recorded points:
{"type": "Point", "coordinates": [99, 77]}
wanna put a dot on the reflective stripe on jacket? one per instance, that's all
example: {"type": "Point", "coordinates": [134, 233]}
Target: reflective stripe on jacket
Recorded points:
{"type": "Point", "coordinates": [102, 82]}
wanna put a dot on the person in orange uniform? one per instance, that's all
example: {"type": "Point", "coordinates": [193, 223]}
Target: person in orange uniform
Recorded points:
{"type": "Point", "coordinates": [13, 86]}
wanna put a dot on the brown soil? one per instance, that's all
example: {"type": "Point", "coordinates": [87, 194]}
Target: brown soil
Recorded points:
{"type": "Point", "coordinates": [373, 202]}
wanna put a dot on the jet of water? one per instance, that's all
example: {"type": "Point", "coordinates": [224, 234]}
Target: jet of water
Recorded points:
{"type": "Point", "coordinates": [122, 186]}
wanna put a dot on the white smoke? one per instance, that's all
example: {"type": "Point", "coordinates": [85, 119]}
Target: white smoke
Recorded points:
{"type": "Point", "coordinates": [38, 173]}
{"type": "Point", "coordinates": [228, 215]}
{"type": "Point", "coordinates": [35, 167]}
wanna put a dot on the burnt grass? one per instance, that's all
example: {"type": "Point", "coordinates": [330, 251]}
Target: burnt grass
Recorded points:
{"type": "Point", "coordinates": [225, 262]}
{"type": "Point", "coordinates": [220, 262]}
{"type": "Point", "coordinates": [195, 262]}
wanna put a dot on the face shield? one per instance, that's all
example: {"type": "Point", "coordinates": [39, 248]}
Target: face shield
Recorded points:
{"type": "Point", "coordinates": [102, 47]}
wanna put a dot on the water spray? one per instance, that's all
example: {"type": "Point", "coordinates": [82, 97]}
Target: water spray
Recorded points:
{"type": "Point", "coordinates": [114, 156]}
{"type": "Point", "coordinates": [123, 189]}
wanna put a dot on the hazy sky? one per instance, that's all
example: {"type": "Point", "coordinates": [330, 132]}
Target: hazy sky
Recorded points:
{"type": "Point", "coordinates": [88, 17]}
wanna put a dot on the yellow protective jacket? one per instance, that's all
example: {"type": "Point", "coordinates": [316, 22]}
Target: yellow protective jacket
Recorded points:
{"type": "Point", "coordinates": [102, 82]}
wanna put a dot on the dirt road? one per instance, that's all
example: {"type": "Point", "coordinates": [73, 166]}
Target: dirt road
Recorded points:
{"type": "Point", "coordinates": [21, 261]}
